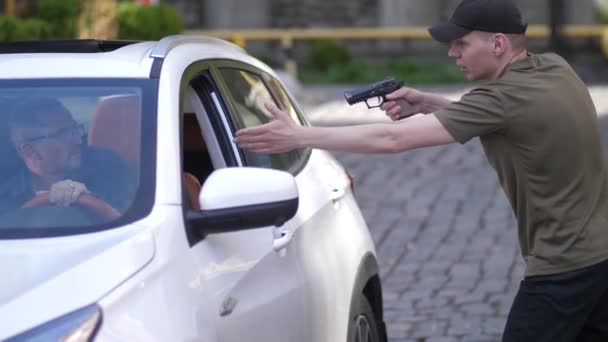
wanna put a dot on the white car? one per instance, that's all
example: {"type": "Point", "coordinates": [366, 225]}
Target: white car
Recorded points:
{"type": "Point", "coordinates": [106, 233]}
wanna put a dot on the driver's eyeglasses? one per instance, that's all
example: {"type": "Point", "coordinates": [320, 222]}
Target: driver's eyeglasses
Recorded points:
{"type": "Point", "coordinates": [76, 130]}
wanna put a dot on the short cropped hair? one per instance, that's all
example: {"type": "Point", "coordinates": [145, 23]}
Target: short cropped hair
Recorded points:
{"type": "Point", "coordinates": [31, 113]}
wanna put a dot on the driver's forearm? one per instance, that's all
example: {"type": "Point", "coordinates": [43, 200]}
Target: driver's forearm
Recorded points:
{"type": "Point", "coordinates": [98, 206]}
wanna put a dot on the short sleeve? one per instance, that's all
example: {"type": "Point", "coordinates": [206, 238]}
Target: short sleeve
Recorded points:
{"type": "Point", "coordinates": [106, 175]}
{"type": "Point", "coordinates": [477, 113]}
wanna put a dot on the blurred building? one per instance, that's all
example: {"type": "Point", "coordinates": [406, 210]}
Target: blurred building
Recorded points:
{"type": "Point", "coordinates": [256, 14]}
{"type": "Point", "coordinates": [232, 14]}
{"type": "Point", "coordinates": [236, 14]}
{"type": "Point", "coordinates": [252, 14]}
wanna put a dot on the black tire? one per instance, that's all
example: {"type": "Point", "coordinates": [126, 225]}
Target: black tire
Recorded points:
{"type": "Point", "coordinates": [362, 325]}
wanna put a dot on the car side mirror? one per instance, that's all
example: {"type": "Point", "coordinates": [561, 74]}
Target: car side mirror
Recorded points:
{"type": "Point", "coordinates": [239, 198]}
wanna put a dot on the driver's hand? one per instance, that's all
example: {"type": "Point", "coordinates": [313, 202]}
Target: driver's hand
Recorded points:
{"type": "Point", "coordinates": [66, 192]}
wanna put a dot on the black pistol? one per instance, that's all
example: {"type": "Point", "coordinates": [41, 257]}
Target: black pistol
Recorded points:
{"type": "Point", "coordinates": [373, 94]}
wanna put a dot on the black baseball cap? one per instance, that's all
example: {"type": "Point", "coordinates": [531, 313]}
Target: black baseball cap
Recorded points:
{"type": "Point", "coordinates": [497, 16]}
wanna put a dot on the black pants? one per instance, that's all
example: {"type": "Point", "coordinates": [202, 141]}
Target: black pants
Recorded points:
{"type": "Point", "coordinates": [571, 306]}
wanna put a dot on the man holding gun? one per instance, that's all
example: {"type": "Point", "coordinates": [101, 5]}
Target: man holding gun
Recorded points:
{"type": "Point", "coordinates": [538, 128]}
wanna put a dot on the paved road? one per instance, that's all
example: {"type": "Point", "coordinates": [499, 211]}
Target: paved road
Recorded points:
{"type": "Point", "coordinates": [446, 239]}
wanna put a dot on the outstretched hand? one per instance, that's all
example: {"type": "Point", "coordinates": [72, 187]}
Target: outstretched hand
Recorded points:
{"type": "Point", "coordinates": [276, 136]}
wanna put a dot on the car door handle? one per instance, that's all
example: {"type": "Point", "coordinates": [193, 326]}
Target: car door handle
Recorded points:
{"type": "Point", "coordinates": [337, 193]}
{"type": "Point", "coordinates": [282, 240]}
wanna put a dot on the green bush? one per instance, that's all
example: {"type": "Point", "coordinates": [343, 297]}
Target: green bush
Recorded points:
{"type": "Point", "coordinates": [8, 26]}
{"type": "Point", "coordinates": [600, 11]}
{"type": "Point", "coordinates": [418, 72]}
{"type": "Point", "coordinates": [342, 73]}
{"type": "Point", "coordinates": [61, 16]}
{"type": "Point", "coordinates": [426, 72]}
{"type": "Point", "coordinates": [28, 29]}
{"type": "Point", "coordinates": [32, 29]}
{"type": "Point", "coordinates": [326, 53]}
{"type": "Point", "coordinates": [148, 22]}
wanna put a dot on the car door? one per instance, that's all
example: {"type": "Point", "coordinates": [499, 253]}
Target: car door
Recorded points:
{"type": "Point", "coordinates": [325, 234]}
{"type": "Point", "coordinates": [260, 289]}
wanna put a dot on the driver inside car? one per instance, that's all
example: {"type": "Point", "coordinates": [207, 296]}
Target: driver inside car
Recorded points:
{"type": "Point", "coordinates": [59, 170]}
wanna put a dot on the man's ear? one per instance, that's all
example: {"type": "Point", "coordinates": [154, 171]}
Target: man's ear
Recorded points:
{"type": "Point", "coordinates": [501, 44]}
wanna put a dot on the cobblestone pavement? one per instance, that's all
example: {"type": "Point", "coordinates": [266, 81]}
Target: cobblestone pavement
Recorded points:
{"type": "Point", "coordinates": [446, 239]}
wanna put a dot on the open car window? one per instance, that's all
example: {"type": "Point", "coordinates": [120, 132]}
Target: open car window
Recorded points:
{"type": "Point", "coordinates": [249, 93]}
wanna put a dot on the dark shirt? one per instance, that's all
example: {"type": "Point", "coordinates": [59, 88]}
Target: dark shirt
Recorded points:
{"type": "Point", "coordinates": [538, 127]}
{"type": "Point", "coordinates": [103, 173]}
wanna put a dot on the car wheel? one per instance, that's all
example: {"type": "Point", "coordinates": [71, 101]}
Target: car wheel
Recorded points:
{"type": "Point", "coordinates": [363, 325]}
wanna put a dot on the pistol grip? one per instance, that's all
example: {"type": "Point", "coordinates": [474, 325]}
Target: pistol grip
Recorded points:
{"type": "Point", "coordinates": [406, 109]}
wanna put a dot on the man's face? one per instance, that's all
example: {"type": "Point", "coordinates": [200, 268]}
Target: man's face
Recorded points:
{"type": "Point", "coordinates": [474, 54]}
{"type": "Point", "coordinates": [55, 146]}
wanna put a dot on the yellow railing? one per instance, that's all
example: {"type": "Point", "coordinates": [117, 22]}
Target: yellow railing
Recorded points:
{"type": "Point", "coordinates": [9, 8]}
{"type": "Point", "coordinates": [288, 36]}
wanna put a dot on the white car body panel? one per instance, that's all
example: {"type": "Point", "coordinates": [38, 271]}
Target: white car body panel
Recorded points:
{"type": "Point", "coordinates": [220, 199]}
{"type": "Point", "coordinates": [211, 272]}
{"type": "Point", "coordinates": [67, 281]}
{"type": "Point", "coordinates": [168, 106]}
{"type": "Point", "coordinates": [150, 283]}
{"type": "Point", "coordinates": [332, 284]}
{"type": "Point", "coordinates": [130, 62]}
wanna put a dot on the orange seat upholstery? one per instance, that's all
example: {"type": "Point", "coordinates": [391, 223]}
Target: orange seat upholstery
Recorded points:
{"type": "Point", "coordinates": [192, 138]}
{"type": "Point", "coordinates": [193, 187]}
{"type": "Point", "coordinates": [115, 125]}
{"type": "Point", "coordinates": [196, 159]}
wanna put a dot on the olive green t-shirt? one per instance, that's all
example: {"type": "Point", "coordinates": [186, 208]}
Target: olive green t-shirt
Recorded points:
{"type": "Point", "coordinates": [538, 127]}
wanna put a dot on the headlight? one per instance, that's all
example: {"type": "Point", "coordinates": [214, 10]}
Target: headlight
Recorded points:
{"type": "Point", "coordinates": [77, 326]}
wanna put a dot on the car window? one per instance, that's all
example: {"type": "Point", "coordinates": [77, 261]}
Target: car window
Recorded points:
{"type": "Point", "coordinates": [71, 153]}
{"type": "Point", "coordinates": [284, 101]}
{"type": "Point", "coordinates": [249, 93]}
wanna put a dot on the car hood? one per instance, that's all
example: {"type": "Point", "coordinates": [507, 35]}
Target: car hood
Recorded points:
{"type": "Point", "coordinates": [43, 279]}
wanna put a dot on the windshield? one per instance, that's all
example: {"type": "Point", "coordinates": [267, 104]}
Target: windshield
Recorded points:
{"type": "Point", "coordinates": [73, 155]}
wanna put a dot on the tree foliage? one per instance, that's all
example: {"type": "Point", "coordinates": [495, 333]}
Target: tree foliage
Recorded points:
{"type": "Point", "coordinates": [148, 22]}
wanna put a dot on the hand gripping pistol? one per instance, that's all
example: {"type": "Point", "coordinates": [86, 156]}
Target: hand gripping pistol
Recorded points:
{"type": "Point", "coordinates": [372, 94]}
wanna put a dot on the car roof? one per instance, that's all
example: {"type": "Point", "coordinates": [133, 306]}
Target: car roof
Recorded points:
{"type": "Point", "coordinates": [98, 58]}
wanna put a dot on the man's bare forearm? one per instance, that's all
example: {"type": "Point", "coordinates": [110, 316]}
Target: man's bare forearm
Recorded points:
{"type": "Point", "coordinates": [395, 137]}
{"type": "Point", "coordinates": [283, 134]}
{"type": "Point", "coordinates": [370, 138]}
{"type": "Point", "coordinates": [436, 102]}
